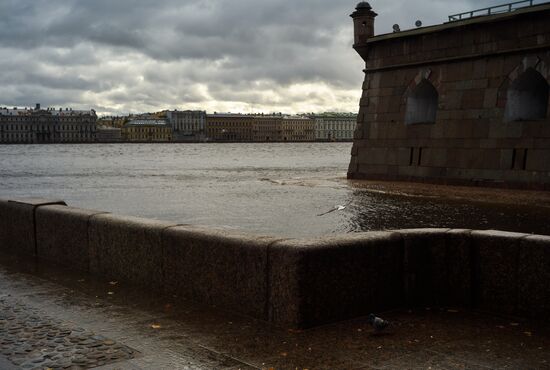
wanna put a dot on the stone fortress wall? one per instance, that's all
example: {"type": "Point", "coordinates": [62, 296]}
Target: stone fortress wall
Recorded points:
{"type": "Point", "coordinates": [463, 102]}
{"type": "Point", "coordinates": [290, 282]}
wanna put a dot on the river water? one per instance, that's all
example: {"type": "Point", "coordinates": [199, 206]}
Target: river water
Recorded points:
{"type": "Point", "coordinates": [272, 189]}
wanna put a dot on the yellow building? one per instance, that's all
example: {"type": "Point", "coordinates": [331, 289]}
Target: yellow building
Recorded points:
{"type": "Point", "coordinates": [112, 121]}
{"type": "Point", "coordinates": [147, 130]}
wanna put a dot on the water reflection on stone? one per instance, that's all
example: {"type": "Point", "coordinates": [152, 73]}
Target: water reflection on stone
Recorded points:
{"type": "Point", "coordinates": [372, 211]}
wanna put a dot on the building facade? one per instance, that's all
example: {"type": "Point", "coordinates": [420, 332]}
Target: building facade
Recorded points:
{"type": "Point", "coordinates": [267, 128]}
{"type": "Point", "coordinates": [112, 121]}
{"type": "Point", "coordinates": [105, 134]}
{"type": "Point", "coordinates": [27, 125]}
{"type": "Point", "coordinates": [229, 127]}
{"type": "Point", "coordinates": [464, 102]}
{"type": "Point", "coordinates": [188, 125]}
{"type": "Point", "coordinates": [147, 130]}
{"type": "Point", "coordinates": [297, 128]}
{"type": "Point", "coordinates": [335, 127]}
{"type": "Point", "coordinates": [259, 128]}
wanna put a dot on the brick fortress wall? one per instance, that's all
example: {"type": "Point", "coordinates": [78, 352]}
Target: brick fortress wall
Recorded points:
{"type": "Point", "coordinates": [475, 134]}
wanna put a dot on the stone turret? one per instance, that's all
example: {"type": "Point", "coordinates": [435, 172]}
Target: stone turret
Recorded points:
{"type": "Point", "coordinates": [363, 27]}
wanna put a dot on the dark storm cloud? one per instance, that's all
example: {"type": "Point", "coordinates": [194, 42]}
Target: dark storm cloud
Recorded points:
{"type": "Point", "coordinates": [144, 55]}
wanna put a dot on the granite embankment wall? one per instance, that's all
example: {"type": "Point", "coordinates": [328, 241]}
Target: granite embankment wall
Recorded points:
{"type": "Point", "coordinates": [291, 282]}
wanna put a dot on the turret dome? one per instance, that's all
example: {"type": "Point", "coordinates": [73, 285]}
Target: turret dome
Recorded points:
{"type": "Point", "coordinates": [363, 5]}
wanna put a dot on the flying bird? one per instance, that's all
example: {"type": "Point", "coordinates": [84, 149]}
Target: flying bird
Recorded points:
{"type": "Point", "coordinates": [336, 208]}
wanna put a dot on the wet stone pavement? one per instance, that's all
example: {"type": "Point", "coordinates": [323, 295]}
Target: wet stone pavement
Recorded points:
{"type": "Point", "coordinates": [51, 318]}
{"type": "Point", "coordinates": [35, 341]}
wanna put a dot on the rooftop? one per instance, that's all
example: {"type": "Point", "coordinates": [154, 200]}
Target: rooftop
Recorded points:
{"type": "Point", "coordinates": [147, 122]}
{"type": "Point", "coordinates": [27, 111]}
{"type": "Point", "coordinates": [465, 21]}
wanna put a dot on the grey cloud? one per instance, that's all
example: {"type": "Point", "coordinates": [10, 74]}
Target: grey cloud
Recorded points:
{"type": "Point", "coordinates": [140, 55]}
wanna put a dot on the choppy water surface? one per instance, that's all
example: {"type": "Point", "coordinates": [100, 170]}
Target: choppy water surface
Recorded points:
{"type": "Point", "coordinates": [276, 189]}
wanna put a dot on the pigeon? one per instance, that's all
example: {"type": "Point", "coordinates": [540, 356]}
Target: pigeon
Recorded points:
{"type": "Point", "coordinates": [377, 323]}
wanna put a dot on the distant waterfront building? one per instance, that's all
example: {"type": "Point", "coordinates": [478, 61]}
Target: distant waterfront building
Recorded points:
{"type": "Point", "coordinates": [188, 125]}
{"type": "Point", "coordinates": [259, 128]}
{"type": "Point", "coordinates": [112, 121]}
{"type": "Point", "coordinates": [297, 128]}
{"type": "Point", "coordinates": [335, 126]}
{"type": "Point", "coordinates": [267, 128]}
{"type": "Point", "coordinates": [105, 134]}
{"type": "Point", "coordinates": [147, 130]}
{"type": "Point", "coordinates": [229, 127]}
{"type": "Point", "coordinates": [27, 125]}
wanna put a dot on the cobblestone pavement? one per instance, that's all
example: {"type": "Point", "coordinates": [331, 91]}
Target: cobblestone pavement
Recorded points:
{"type": "Point", "coordinates": [46, 312]}
{"type": "Point", "coordinates": [35, 341]}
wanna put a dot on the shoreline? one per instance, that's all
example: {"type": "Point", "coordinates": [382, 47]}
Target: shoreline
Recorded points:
{"type": "Point", "coordinates": [503, 196]}
{"type": "Point", "coordinates": [185, 142]}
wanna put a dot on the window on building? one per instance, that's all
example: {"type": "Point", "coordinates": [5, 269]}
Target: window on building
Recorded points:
{"type": "Point", "coordinates": [422, 104]}
{"type": "Point", "coordinates": [527, 97]}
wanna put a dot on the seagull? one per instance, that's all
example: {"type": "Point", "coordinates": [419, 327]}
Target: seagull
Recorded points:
{"type": "Point", "coordinates": [336, 208]}
{"type": "Point", "coordinates": [377, 323]}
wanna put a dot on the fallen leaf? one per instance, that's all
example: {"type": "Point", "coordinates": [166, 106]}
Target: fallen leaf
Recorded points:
{"type": "Point", "coordinates": [294, 331]}
{"type": "Point", "coordinates": [110, 293]}
{"type": "Point", "coordinates": [113, 282]}
{"type": "Point", "coordinates": [155, 326]}
{"type": "Point", "coordinates": [284, 354]}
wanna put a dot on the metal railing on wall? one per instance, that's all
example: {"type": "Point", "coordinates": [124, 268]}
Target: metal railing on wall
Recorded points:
{"type": "Point", "coordinates": [498, 9]}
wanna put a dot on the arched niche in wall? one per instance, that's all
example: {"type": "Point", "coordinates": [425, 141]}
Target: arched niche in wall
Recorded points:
{"type": "Point", "coordinates": [527, 97]}
{"type": "Point", "coordinates": [422, 103]}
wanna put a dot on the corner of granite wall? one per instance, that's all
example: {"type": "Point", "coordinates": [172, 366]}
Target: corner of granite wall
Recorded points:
{"type": "Point", "coordinates": [316, 281]}
{"type": "Point", "coordinates": [18, 223]}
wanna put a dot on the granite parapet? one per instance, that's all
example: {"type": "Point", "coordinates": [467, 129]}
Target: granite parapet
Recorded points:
{"type": "Point", "coordinates": [296, 283]}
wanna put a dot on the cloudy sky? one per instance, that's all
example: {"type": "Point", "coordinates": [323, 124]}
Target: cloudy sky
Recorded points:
{"type": "Point", "coordinates": [120, 56]}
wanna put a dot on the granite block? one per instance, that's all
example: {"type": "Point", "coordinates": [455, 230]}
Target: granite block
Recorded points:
{"type": "Point", "coordinates": [218, 267]}
{"type": "Point", "coordinates": [62, 235]}
{"type": "Point", "coordinates": [127, 248]}
{"type": "Point", "coordinates": [17, 224]}
{"type": "Point", "coordinates": [496, 256]}
{"type": "Point", "coordinates": [424, 276]}
{"type": "Point", "coordinates": [458, 268]}
{"type": "Point", "coordinates": [285, 299]}
{"type": "Point", "coordinates": [319, 281]}
{"type": "Point", "coordinates": [534, 277]}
